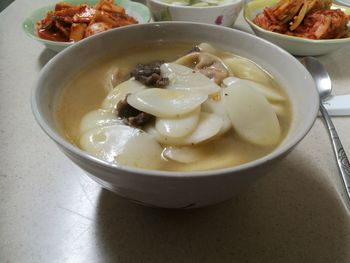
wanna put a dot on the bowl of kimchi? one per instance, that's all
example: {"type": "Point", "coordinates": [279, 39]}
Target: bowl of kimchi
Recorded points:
{"type": "Point", "coordinates": [65, 23]}
{"type": "Point", "coordinates": [302, 27]}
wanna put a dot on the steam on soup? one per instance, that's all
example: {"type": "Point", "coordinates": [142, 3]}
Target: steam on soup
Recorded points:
{"type": "Point", "coordinates": [163, 107]}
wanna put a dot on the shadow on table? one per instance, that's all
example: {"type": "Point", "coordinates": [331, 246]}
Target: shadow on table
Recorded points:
{"type": "Point", "coordinates": [4, 4]}
{"type": "Point", "coordinates": [45, 56]}
{"type": "Point", "coordinates": [273, 221]}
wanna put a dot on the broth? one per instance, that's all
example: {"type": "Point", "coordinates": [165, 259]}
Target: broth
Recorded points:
{"type": "Point", "coordinates": [87, 91]}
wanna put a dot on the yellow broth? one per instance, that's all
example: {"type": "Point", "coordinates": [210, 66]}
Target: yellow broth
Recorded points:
{"type": "Point", "coordinates": [86, 91]}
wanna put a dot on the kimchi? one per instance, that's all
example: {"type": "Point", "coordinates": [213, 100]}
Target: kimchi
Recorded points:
{"type": "Point", "coordinates": [313, 19]}
{"type": "Point", "coordinates": [71, 23]}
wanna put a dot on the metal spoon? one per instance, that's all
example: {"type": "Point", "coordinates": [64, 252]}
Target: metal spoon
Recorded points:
{"type": "Point", "coordinates": [324, 87]}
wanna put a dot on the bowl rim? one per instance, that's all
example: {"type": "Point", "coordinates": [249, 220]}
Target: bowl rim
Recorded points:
{"type": "Point", "coordinates": [28, 21]}
{"type": "Point", "coordinates": [278, 152]}
{"type": "Point", "coordinates": [295, 38]}
{"type": "Point", "coordinates": [189, 7]}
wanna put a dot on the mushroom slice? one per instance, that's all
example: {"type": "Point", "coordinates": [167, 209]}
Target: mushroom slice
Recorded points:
{"type": "Point", "coordinates": [178, 127]}
{"type": "Point", "coordinates": [185, 78]}
{"type": "Point", "coordinates": [115, 76]}
{"type": "Point", "coordinates": [246, 69]}
{"type": "Point", "coordinates": [208, 48]}
{"type": "Point", "coordinates": [182, 154]}
{"type": "Point", "coordinates": [251, 115]}
{"type": "Point", "coordinates": [166, 102]}
{"type": "Point", "coordinates": [208, 127]}
{"type": "Point", "coordinates": [207, 64]}
{"type": "Point", "coordinates": [120, 144]}
{"type": "Point", "coordinates": [98, 118]}
{"type": "Point", "coordinates": [269, 92]}
{"type": "Point", "coordinates": [119, 93]}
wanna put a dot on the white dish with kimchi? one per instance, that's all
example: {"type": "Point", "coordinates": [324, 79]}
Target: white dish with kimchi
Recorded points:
{"type": "Point", "coordinates": [303, 27]}
{"type": "Point", "coordinates": [61, 25]}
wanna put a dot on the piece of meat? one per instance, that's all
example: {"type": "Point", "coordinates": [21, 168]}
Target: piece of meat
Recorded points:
{"type": "Point", "coordinates": [140, 119]}
{"type": "Point", "coordinates": [131, 116]}
{"type": "Point", "coordinates": [150, 74]}
{"type": "Point", "coordinates": [209, 65]}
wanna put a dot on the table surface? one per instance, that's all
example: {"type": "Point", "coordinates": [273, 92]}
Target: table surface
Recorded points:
{"type": "Point", "coordinates": [51, 212]}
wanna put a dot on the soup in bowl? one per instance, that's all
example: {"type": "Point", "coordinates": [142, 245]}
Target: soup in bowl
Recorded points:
{"type": "Point", "coordinates": [172, 114]}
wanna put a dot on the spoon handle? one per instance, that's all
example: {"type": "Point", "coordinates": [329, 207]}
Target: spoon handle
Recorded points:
{"type": "Point", "coordinates": [342, 159]}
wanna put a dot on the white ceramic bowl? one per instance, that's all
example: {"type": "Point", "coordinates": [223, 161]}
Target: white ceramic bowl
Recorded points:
{"type": "Point", "coordinates": [295, 45]}
{"type": "Point", "coordinates": [224, 15]}
{"type": "Point", "coordinates": [139, 11]}
{"type": "Point", "coordinates": [176, 189]}
{"type": "Point", "coordinates": [343, 2]}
